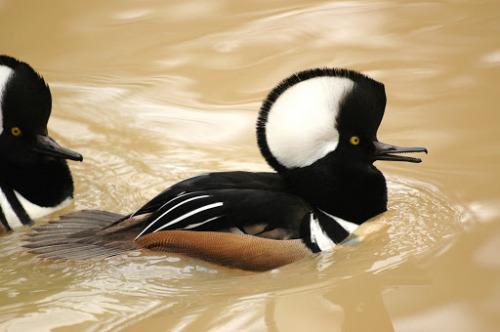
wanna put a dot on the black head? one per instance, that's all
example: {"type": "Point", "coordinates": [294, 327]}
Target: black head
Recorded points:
{"type": "Point", "coordinates": [25, 106]}
{"type": "Point", "coordinates": [325, 113]}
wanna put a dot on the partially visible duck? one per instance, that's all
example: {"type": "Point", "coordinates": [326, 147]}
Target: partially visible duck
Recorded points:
{"type": "Point", "coordinates": [34, 177]}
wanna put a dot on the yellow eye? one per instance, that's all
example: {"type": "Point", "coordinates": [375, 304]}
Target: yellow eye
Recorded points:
{"type": "Point", "coordinates": [354, 140]}
{"type": "Point", "coordinates": [15, 131]}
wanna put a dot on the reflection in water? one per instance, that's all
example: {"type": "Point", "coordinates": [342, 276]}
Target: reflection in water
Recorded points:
{"type": "Point", "coordinates": [155, 92]}
{"type": "Point", "coordinates": [413, 296]}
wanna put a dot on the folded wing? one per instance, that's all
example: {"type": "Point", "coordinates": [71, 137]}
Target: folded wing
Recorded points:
{"type": "Point", "coordinates": [270, 214]}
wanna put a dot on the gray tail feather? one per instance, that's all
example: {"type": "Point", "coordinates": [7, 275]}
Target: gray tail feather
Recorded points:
{"type": "Point", "coordinates": [79, 235]}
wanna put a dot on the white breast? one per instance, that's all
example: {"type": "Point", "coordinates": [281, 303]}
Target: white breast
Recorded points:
{"type": "Point", "coordinates": [319, 236]}
{"type": "Point", "coordinates": [33, 210]}
{"type": "Point", "coordinates": [347, 225]}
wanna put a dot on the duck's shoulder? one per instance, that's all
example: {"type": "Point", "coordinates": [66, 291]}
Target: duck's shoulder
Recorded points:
{"type": "Point", "coordinates": [216, 181]}
{"type": "Point", "coordinates": [233, 180]}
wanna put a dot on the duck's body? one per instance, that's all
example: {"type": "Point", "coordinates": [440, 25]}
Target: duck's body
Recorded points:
{"type": "Point", "coordinates": [267, 205]}
{"type": "Point", "coordinates": [35, 179]}
{"type": "Point", "coordinates": [317, 129]}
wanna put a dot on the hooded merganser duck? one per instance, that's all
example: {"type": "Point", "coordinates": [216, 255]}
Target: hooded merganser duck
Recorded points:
{"type": "Point", "coordinates": [34, 177]}
{"type": "Point", "coordinates": [318, 130]}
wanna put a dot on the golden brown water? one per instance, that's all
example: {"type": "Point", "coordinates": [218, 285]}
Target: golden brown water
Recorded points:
{"type": "Point", "coordinates": [153, 91]}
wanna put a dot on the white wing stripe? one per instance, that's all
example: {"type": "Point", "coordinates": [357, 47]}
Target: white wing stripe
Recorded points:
{"type": "Point", "coordinates": [163, 214]}
{"type": "Point", "coordinates": [189, 214]}
{"type": "Point", "coordinates": [318, 236]}
{"type": "Point", "coordinates": [182, 194]}
{"type": "Point", "coordinates": [161, 207]}
{"type": "Point", "coordinates": [201, 223]}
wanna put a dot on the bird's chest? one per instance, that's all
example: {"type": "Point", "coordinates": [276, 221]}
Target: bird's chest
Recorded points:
{"type": "Point", "coordinates": [350, 198]}
{"type": "Point", "coordinates": [16, 210]}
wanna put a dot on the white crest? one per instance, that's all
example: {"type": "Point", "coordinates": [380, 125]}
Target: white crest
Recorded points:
{"type": "Point", "coordinates": [301, 126]}
{"type": "Point", "coordinates": [5, 73]}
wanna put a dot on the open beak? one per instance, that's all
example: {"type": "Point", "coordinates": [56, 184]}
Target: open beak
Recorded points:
{"type": "Point", "coordinates": [47, 146]}
{"type": "Point", "coordinates": [389, 152]}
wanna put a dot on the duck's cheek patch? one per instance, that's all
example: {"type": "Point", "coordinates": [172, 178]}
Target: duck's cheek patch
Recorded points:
{"type": "Point", "coordinates": [301, 125]}
{"type": "Point", "coordinates": [241, 251]}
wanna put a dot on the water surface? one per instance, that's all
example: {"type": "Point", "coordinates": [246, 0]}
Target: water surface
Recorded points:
{"type": "Point", "coordinates": [152, 92]}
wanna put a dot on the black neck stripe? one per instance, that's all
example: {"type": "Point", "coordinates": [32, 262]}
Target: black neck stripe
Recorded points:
{"type": "Point", "coordinates": [4, 221]}
{"type": "Point", "coordinates": [17, 206]}
{"type": "Point", "coordinates": [332, 228]}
